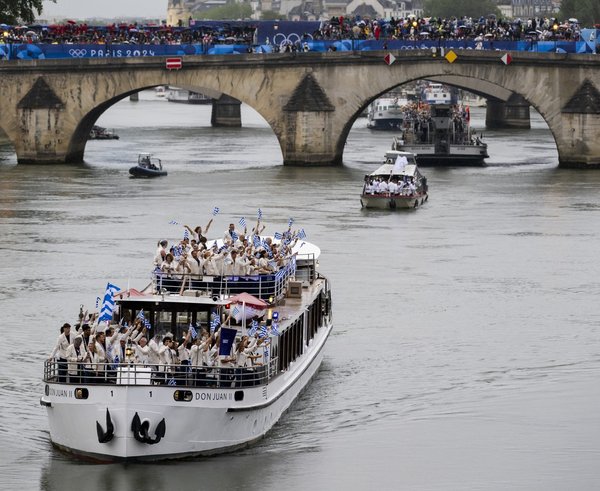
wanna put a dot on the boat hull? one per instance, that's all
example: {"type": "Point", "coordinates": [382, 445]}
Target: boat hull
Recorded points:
{"type": "Point", "coordinates": [213, 421]}
{"type": "Point", "coordinates": [143, 172]}
{"type": "Point", "coordinates": [455, 155]}
{"type": "Point", "coordinates": [387, 124]}
{"type": "Point", "coordinates": [387, 202]}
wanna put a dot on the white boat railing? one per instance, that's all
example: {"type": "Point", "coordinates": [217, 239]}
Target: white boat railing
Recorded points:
{"type": "Point", "coordinates": [71, 373]}
{"type": "Point", "coordinates": [265, 286]}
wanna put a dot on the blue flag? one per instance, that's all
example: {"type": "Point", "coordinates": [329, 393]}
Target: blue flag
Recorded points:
{"type": "Point", "coordinates": [186, 234]}
{"type": "Point", "coordinates": [302, 234]}
{"type": "Point", "coordinates": [193, 331]}
{"type": "Point", "coordinates": [171, 382]}
{"type": "Point", "coordinates": [278, 235]}
{"type": "Point", "coordinates": [226, 340]}
{"type": "Point", "coordinates": [242, 222]}
{"type": "Point", "coordinates": [215, 211]}
{"type": "Point", "coordinates": [259, 213]}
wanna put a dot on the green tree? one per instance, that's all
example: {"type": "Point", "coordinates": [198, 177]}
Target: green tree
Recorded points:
{"type": "Point", "coordinates": [270, 15]}
{"type": "Point", "coordinates": [587, 12]}
{"type": "Point", "coordinates": [229, 11]}
{"type": "Point", "coordinates": [458, 8]}
{"type": "Point", "coordinates": [15, 11]}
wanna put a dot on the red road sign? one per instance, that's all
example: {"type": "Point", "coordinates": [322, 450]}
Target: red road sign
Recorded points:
{"type": "Point", "coordinates": [174, 63]}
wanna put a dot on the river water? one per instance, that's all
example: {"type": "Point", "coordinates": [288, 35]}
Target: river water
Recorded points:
{"type": "Point", "coordinates": [466, 344]}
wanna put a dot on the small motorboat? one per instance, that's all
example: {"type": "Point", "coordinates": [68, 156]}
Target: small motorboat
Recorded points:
{"type": "Point", "coordinates": [147, 166]}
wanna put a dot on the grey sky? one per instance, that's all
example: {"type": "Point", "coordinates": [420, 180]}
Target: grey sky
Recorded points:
{"type": "Point", "coordinates": [82, 9]}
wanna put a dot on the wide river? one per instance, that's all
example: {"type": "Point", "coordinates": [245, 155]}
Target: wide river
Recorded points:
{"type": "Point", "coordinates": [466, 346]}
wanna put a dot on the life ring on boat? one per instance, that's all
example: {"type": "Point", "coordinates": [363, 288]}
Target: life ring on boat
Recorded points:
{"type": "Point", "coordinates": [105, 436]}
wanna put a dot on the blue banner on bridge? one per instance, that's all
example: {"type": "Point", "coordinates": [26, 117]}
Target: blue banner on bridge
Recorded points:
{"type": "Point", "coordinates": [56, 51]}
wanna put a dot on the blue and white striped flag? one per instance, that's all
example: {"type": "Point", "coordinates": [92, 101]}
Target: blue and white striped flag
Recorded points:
{"type": "Point", "coordinates": [302, 234]}
{"type": "Point", "coordinates": [193, 331]}
{"type": "Point", "coordinates": [235, 311]}
{"type": "Point", "coordinates": [278, 235]}
{"type": "Point", "coordinates": [186, 234]}
{"type": "Point", "coordinates": [141, 315]}
{"type": "Point", "coordinates": [266, 353]}
{"type": "Point", "coordinates": [97, 301]}
{"type": "Point", "coordinates": [275, 329]}
{"type": "Point", "coordinates": [259, 213]}
{"type": "Point", "coordinates": [256, 241]}
{"type": "Point", "coordinates": [222, 248]}
{"type": "Point", "coordinates": [234, 236]}
{"type": "Point", "coordinates": [290, 222]}
{"type": "Point", "coordinates": [242, 222]}
{"type": "Point", "coordinates": [253, 328]}
{"type": "Point", "coordinates": [214, 323]}
{"type": "Point", "coordinates": [116, 362]}
{"type": "Point", "coordinates": [147, 324]}
{"type": "Point", "coordinates": [173, 222]}
{"type": "Point", "coordinates": [108, 304]}
{"type": "Point", "coordinates": [263, 331]}
{"type": "Point", "coordinates": [215, 211]}
{"type": "Point", "coordinates": [177, 251]}
{"type": "Point", "coordinates": [172, 382]}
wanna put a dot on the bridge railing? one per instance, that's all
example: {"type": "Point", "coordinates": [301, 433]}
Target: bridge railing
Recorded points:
{"type": "Point", "coordinates": [74, 51]}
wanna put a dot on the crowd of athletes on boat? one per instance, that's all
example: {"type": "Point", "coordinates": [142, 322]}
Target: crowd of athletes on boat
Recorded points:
{"type": "Point", "coordinates": [91, 352]}
{"type": "Point", "coordinates": [390, 186]}
{"type": "Point", "coordinates": [239, 254]}
{"type": "Point", "coordinates": [96, 349]}
{"type": "Point", "coordinates": [416, 125]}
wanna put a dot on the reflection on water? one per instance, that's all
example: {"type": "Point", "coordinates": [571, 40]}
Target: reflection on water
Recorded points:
{"type": "Point", "coordinates": [465, 346]}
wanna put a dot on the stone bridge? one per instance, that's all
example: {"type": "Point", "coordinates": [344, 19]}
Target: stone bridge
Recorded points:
{"type": "Point", "coordinates": [310, 100]}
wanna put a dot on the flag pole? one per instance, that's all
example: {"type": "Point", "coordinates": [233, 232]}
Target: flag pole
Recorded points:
{"type": "Point", "coordinates": [244, 332]}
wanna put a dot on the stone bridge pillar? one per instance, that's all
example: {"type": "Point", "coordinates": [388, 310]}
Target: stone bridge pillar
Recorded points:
{"type": "Point", "coordinates": [514, 113]}
{"type": "Point", "coordinates": [576, 129]}
{"type": "Point", "coordinates": [226, 112]}
{"type": "Point", "coordinates": [308, 131]}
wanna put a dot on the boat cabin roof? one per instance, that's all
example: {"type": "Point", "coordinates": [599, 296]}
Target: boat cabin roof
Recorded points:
{"type": "Point", "coordinates": [409, 170]}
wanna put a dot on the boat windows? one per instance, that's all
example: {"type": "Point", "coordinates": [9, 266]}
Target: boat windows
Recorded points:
{"type": "Point", "coordinates": [183, 395]}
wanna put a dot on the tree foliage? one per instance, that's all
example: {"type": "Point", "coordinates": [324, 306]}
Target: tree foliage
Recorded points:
{"type": "Point", "coordinates": [459, 8]}
{"type": "Point", "coordinates": [586, 11]}
{"type": "Point", "coordinates": [270, 15]}
{"type": "Point", "coordinates": [229, 11]}
{"type": "Point", "coordinates": [14, 11]}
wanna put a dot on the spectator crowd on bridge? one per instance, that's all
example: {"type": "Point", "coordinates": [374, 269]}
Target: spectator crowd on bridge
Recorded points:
{"type": "Point", "coordinates": [455, 28]}
{"type": "Point", "coordinates": [82, 33]}
{"type": "Point", "coordinates": [337, 28]}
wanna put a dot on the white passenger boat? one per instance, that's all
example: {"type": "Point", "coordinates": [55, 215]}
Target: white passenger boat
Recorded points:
{"type": "Point", "coordinates": [386, 113]}
{"type": "Point", "coordinates": [133, 411]}
{"type": "Point", "coordinates": [184, 96]}
{"type": "Point", "coordinates": [441, 135]}
{"type": "Point", "coordinates": [160, 91]}
{"type": "Point", "coordinates": [397, 183]}
{"type": "Point", "coordinates": [436, 93]}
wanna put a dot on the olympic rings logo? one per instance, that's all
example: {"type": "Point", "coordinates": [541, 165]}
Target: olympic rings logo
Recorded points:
{"type": "Point", "coordinates": [78, 53]}
{"type": "Point", "coordinates": [291, 38]}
